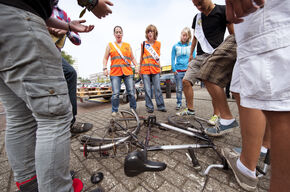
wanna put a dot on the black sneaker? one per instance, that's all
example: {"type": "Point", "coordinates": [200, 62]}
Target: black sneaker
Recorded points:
{"type": "Point", "coordinates": [78, 127]}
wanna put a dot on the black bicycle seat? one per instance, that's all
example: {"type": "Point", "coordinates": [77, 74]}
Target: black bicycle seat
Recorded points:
{"type": "Point", "coordinates": [136, 163]}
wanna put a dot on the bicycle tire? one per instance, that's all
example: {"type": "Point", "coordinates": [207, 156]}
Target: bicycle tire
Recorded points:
{"type": "Point", "coordinates": [104, 143]}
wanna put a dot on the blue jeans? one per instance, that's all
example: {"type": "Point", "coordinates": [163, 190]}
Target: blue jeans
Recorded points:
{"type": "Point", "coordinates": [70, 75]}
{"type": "Point", "coordinates": [116, 86]}
{"type": "Point", "coordinates": [148, 91]}
{"type": "Point", "coordinates": [34, 93]}
{"type": "Point", "coordinates": [178, 78]}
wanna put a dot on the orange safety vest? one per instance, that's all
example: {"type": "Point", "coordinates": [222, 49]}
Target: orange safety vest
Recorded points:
{"type": "Point", "coordinates": [118, 66]}
{"type": "Point", "coordinates": [149, 65]}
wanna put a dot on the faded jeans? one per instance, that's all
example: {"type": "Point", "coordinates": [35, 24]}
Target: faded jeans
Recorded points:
{"type": "Point", "coordinates": [148, 91]}
{"type": "Point", "coordinates": [116, 86]}
{"type": "Point", "coordinates": [178, 78]}
{"type": "Point", "coordinates": [34, 93]}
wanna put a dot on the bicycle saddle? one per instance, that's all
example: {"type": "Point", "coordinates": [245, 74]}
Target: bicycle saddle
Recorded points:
{"type": "Point", "coordinates": [136, 163]}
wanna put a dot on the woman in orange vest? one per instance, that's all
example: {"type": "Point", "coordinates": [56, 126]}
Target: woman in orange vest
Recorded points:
{"type": "Point", "coordinates": [121, 57]}
{"type": "Point", "coordinates": [150, 69]}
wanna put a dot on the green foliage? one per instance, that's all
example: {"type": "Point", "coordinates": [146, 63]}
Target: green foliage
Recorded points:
{"type": "Point", "coordinates": [68, 57]}
{"type": "Point", "coordinates": [83, 80]}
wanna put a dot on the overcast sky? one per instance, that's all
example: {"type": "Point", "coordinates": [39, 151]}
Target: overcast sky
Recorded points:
{"type": "Point", "coordinates": [169, 16]}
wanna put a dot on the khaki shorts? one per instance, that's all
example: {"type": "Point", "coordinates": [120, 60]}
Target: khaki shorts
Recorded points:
{"type": "Point", "coordinates": [218, 67]}
{"type": "Point", "coordinates": [194, 67]}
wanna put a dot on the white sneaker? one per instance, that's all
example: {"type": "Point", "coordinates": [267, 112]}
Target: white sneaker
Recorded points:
{"type": "Point", "coordinates": [213, 120]}
{"type": "Point", "coordinates": [114, 114]}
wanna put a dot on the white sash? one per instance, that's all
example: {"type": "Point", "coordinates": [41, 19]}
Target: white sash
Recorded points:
{"type": "Point", "coordinates": [151, 50]}
{"type": "Point", "coordinates": [205, 46]}
{"type": "Point", "coordinates": [120, 53]}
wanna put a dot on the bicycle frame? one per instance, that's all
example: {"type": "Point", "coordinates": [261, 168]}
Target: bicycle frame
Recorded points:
{"type": "Point", "coordinates": [196, 134]}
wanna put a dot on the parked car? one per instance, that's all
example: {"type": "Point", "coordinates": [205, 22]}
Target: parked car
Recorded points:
{"type": "Point", "coordinates": [163, 79]}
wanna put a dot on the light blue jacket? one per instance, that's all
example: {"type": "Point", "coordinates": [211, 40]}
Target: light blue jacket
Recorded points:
{"type": "Point", "coordinates": [180, 55]}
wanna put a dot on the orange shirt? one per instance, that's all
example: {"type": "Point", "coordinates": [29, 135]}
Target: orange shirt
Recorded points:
{"type": "Point", "coordinates": [118, 66]}
{"type": "Point", "coordinates": [149, 65]}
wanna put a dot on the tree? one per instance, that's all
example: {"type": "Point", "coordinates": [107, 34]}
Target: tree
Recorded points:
{"type": "Point", "coordinates": [67, 57]}
{"type": "Point", "coordinates": [83, 80]}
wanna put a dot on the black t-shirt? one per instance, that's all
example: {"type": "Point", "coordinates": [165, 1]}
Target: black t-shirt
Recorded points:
{"type": "Point", "coordinates": [214, 26]}
{"type": "Point", "coordinates": [42, 8]}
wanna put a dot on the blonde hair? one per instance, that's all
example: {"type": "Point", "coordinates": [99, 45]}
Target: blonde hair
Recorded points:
{"type": "Point", "coordinates": [188, 32]}
{"type": "Point", "coordinates": [153, 29]}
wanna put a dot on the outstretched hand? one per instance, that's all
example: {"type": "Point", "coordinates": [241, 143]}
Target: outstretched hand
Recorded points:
{"type": "Point", "coordinates": [102, 9]}
{"type": "Point", "coordinates": [56, 32]}
{"type": "Point", "coordinates": [77, 26]}
{"type": "Point", "coordinates": [235, 9]}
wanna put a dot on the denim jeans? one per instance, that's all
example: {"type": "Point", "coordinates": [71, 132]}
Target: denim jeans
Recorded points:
{"type": "Point", "coordinates": [155, 78]}
{"type": "Point", "coordinates": [178, 78]}
{"type": "Point", "coordinates": [34, 94]}
{"type": "Point", "coordinates": [116, 86]}
{"type": "Point", "coordinates": [70, 75]}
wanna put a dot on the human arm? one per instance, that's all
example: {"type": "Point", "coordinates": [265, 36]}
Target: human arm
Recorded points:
{"type": "Point", "coordinates": [73, 36]}
{"type": "Point", "coordinates": [141, 55]}
{"type": "Point", "coordinates": [230, 28]}
{"type": "Point", "coordinates": [75, 25]}
{"type": "Point", "coordinates": [159, 55]}
{"type": "Point", "coordinates": [173, 55]}
{"type": "Point", "coordinates": [193, 44]}
{"type": "Point", "coordinates": [105, 60]}
{"type": "Point", "coordinates": [134, 61]}
{"type": "Point", "coordinates": [100, 8]}
{"type": "Point", "coordinates": [235, 9]}
{"type": "Point", "coordinates": [59, 33]}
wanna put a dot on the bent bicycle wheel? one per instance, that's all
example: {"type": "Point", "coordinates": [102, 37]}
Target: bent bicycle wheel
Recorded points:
{"type": "Point", "coordinates": [116, 131]}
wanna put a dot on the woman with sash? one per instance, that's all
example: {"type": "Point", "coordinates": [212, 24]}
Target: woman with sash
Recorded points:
{"type": "Point", "coordinates": [121, 58]}
{"type": "Point", "coordinates": [150, 69]}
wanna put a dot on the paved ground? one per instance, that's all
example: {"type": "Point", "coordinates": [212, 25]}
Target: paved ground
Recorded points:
{"type": "Point", "coordinates": [179, 174]}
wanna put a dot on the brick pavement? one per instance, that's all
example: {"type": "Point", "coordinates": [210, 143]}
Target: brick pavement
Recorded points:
{"type": "Point", "coordinates": [179, 174]}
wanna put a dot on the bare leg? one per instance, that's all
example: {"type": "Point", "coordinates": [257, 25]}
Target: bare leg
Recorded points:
{"type": "Point", "coordinates": [212, 93]}
{"type": "Point", "coordinates": [267, 137]}
{"type": "Point", "coordinates": [252, 124]}
{"type": "Point", "coordinates": [188, 93]}
{"type": "Point", "coordinates": [219, 100]}
{"type": "Point", "coordinates": [280, 145]}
